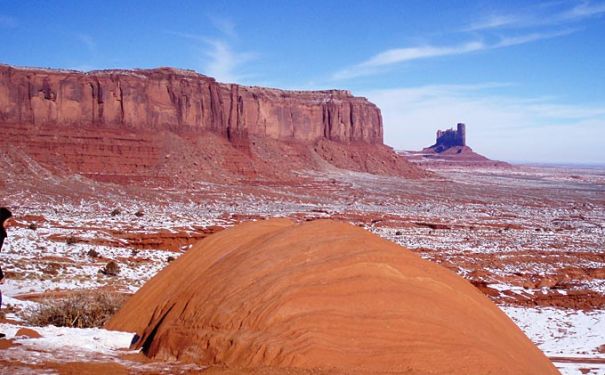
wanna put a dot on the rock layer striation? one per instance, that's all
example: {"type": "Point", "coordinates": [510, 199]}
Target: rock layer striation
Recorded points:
{"type": "Point", "coordinates": [322, 295]}
{"type": "Point", "coordinates": [184, 101]}
{"type": "Point", "coordinates": [130, 115]}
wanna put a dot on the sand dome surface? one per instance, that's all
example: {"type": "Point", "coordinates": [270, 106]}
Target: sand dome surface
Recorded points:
{"type": "Point", "coordinates": [324, 296]}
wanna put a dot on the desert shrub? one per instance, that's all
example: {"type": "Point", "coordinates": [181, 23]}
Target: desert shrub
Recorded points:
{"type": "Point", "coordinates": [79, 310]}
{"type": "Point", "coordinates": [93, 253]}
{"type": "Point", "coordinates": [111, 269]}
{"type": "Point", "coordinates": [52, 269]}
{"type": "Point", "coordinates": [71, 240]}
{"type": "Point", "coordinates": [139, 213]}
{"type": "Point", "coordinates": [116, 212]}
{"type": "Point", "coordinates": [33, 226]}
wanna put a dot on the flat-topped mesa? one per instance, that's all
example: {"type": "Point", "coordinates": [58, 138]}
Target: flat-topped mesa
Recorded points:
{"type": "Point", "coordinates": [183, 101]}
{"type": "Point", "coordinates": [174, 126]}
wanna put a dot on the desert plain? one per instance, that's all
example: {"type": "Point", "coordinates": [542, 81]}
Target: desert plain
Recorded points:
{"type": "Point", "coordinates": [531, 238]}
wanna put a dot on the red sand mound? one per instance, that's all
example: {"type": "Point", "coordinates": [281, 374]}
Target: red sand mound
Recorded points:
{"type": "Point", "coordinates": [322, 295]}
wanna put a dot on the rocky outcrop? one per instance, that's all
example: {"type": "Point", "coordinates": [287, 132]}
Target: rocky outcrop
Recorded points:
{"type": "Point", "coordinates": [183, 101]}
{"type": "Point", "coordinates": [450, 149]}
{"type": "Point", "coordinates": [446, 139]}
{"type": "Point", "coordinates": [321, 297]}
{"type": "Point", "coordinates": [169, 126]}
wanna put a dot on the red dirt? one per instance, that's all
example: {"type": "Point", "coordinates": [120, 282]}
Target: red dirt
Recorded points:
{"type": "Point", "coordinates": [27, 332]}
{"type": "Point", "coordinates": [173, 240]}
{"type": "Point", "coordinates": [458, 156]}
{"type": "Point", "coordinates": [7, 344]}
{"type": "Point", "coordinates": [321, 295]}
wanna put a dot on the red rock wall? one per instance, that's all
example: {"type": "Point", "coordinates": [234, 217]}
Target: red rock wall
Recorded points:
{"type": "Point", "coordinates": [182, 101]}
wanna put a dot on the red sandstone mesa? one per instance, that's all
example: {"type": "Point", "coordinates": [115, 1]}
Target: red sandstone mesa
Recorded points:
{"type": "Point", "coordinates": [323, 296]}
{"type": "Point", "coordinates": [129, 122]}
{"type": "Point", "coordinates": [182, 100]}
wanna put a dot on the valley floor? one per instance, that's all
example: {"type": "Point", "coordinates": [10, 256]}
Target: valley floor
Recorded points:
{"type": "Point", "coordinates": [532, 239]}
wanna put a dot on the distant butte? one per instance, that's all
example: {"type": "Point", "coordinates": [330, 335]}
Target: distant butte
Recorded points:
{"type": "Point", "coordinates": [450, 149]}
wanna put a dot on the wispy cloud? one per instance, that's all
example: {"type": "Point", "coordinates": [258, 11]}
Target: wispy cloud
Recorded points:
{"type": "Point", "coordinates": [536, 17]}
{"type": "Point", "coordinates": [8, 22]}
{"type": "Point", "coordinates": [377, 63]}
{"type": "Point", "coordinates": [509, 41]}
{"type": "Point", "coordinates": [223, 62]}
{"type": "Point", "coordinates": [218, 57]}
{"type": "Point", "coordinates": [584, 9]}
{"type": "Point", "coordinates": [501, 126]}
{"type": "Point", "coordinates": [400, 55]}
{"type": "Point", "coordinates": [546, 22]}
{"type": "Point", "coordinates": [494, 21]}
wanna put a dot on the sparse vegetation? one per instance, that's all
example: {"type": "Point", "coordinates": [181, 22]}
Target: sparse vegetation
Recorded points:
{"type": "Point", "coordinates": [71, 240]}
{"type": "Point", "coordinates": [33, 226]}
{"type": "Point", "coordinates": [52, 269]}
{"type": "Point", "coordinates": [139, 213]}
{"type": "Point", "coordinates": [111, 269]}
{"type": "Point", "coordinates": [93, 253]}
{"type": "Point", "coordinates": [79, 310]}
{"type": "Point", "coordinates": [116, 212]}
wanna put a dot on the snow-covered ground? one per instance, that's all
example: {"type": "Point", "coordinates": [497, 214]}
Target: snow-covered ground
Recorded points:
{"type": "Point", "coordinates": [68, 345]}
{"type": "Point", "coordinates": [508, 229]}
{"type": "Point", "coordinates": [565, 334]}
{"type": "Point", "coordinates": [78, 339]}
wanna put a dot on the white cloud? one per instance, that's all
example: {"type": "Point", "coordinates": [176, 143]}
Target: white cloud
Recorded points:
{"type": "Point", "coordinates": [528, 38]}
{"type": "Point", "coordinates": [222, 62]}
{"type": "Point", "coordinates": [380, 61]}
{"type": "Point", "coordinates": [500, 127]}
{"type": "Point", "coordinates": [218, 57]}
{"type": "Point", "coordinates": [538, 17]}
{"type": "Point", "coordinates": [494, 21]}
{"type": "Point", "coordinates": [400, 55]}
{"type": "Point", "coordinates": [583, 10]}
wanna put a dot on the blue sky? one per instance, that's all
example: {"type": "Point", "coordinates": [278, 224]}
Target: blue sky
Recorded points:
{"type": "Point", "coordinates": [527, 77]}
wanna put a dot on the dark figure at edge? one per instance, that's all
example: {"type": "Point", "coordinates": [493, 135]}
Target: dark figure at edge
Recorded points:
{"type": "Point", "coordinates": [5, 214]}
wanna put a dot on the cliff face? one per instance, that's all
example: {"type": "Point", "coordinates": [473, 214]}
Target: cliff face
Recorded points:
{"type": "Point", "coordinates": [183, 101]}
{"type": "Point", "coordinates": [450, 138]}
{"type": "Point", "coordinates": [169, 126]}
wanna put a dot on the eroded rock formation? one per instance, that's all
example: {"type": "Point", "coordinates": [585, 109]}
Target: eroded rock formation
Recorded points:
{"type": "Point", "coordinates": [450, 149]}
{"type": "Point", "coordinates": [125, 123]}
{"type": "Point", "coordinates": [326, 296]}
{"type": "Point", "coordinates": [184, 101]}
{"type": "Point", "coordinates": [448, 138]}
